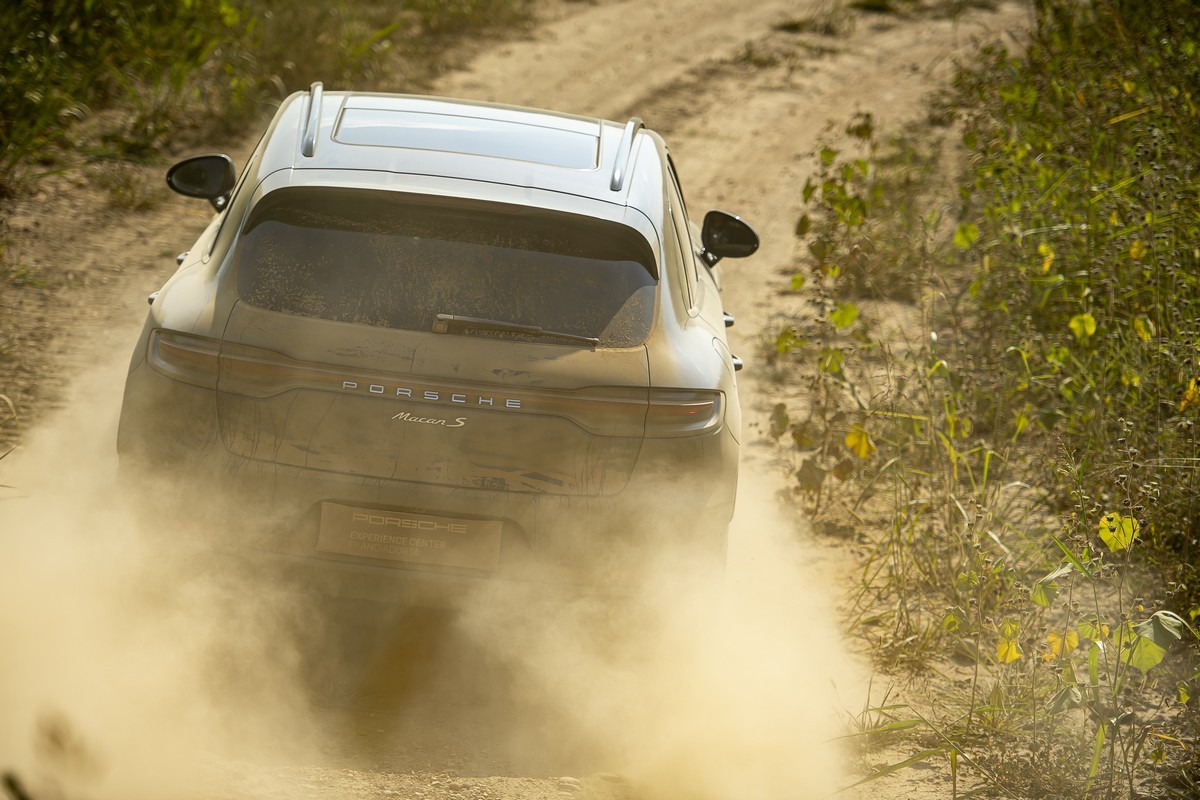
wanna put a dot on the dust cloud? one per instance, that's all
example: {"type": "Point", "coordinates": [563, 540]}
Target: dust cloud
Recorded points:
{"type": "Point", "coordinates": [693, 688]}
{"type": "Point", "coordinates": [135, 665]}
{"type": "Point", "coordinates": [128, 658]}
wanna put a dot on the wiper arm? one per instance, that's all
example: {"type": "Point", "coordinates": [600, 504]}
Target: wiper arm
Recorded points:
{"type": "Point", "coordinates": [446, 322]}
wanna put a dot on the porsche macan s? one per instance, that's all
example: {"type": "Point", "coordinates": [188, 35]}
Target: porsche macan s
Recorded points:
{"type": "Point", "coordinates": [427, 342]}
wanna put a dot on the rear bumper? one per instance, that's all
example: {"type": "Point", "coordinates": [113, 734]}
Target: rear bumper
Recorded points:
{"type": "Point", "coordinates": [679, 498]}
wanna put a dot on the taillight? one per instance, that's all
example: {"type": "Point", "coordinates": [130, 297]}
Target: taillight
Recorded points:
{"type": "Point", "coordinates": [625, 411]}
{"type": "Point", "coordinates": [251, 371]}
{"type": "Point", "coordinates": [185, 358]}
{"type": "Point", "coordinates": [683, 412]}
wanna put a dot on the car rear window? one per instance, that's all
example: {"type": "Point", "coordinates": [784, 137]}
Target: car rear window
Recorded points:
{"type": "Point", "coordinates": [398, 260]}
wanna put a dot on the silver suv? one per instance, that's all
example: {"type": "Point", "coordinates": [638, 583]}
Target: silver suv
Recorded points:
{"type": "Point", "coordinates": [425, 342]}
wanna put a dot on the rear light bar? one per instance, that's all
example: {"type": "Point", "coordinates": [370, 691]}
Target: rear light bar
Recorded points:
{"type": "Point", "coordinates": [683, 412]}
{"type": "Point", "coordinates": [185, 358]}
{"type": "Point", "coordinates": [630, 411]}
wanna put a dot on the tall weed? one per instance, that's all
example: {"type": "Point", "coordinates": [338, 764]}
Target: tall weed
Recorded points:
{"type": "Point", "coordinates": [199, 69]}
{"type": "Point", "coordinates": [1020, 456]}
{"type": "Point", "coordinates": [1087, 155]}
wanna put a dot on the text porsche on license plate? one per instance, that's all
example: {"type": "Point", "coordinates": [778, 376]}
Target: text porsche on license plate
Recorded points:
{"type": "Point", "coordinates": [409, 538]}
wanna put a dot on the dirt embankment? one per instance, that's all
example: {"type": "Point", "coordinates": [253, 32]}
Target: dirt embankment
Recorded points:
{"type": "Point", "coordinates": [112, 687]}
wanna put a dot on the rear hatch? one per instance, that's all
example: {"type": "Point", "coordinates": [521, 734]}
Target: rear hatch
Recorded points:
{"type": "Point", "coordinates": [439, 341]}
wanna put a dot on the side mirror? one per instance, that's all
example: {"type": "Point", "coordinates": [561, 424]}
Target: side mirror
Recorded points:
{"type": "Point", "coordinates": [726, 236]}
{"type": "Point", "coordinates": [210, 177]}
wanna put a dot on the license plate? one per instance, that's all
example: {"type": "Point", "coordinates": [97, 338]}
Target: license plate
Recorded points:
{"type": "Point", "coordinates": [409, 538]}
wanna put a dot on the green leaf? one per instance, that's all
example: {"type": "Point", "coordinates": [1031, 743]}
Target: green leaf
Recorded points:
{"type": "Point", "coordinates": [1043, 593]}
{"type": "Point", "coordinates": [966, 235]}
{"type": "Point", "coordinates": [844, 315]}
{"type": "Point", "coordinates": [1083, 326]}
{"type": "Point", "coordinates": [887, 727]}
{"type": "Point", "coordinates": [1046, 588]}
{"type": "Point", "coordinates": [1093, 661]}
{"type": "Point", "coordinates": [1097, 750]}
{"type": "Point", "coordinates": [820, 250]}
{"type": "Point", "coordinates": [810, 189]}
{"type": "Point", "coordinates": [788, 340]}
{"type": "Point", "coordinates": [803, 225]}
{"type": "Point", "coordinates": [779, 420]}
{"type": "Point", "coordinates": [1067, 698]}
{"type": "Point", "coordinates": [908, 762]}
{"type": "Point", "coordinates": [831, 360]}
{"type": "Point", "coordinates": [1163, 628]}
{"type": "Point", "coordinates": [803, 436]}
{"type": "Point", "coordinates": [955, 619]}
{"type": "Point", "coordinates": [844, 469]}
{"type": "Point", "coordinates": [827, 155]}
{"type": "Point", "coordinates": [798, 282]}
{"type": "Point", "coordinates": [810, 475]}
{"type": "Point", "coordinates": [853, 212]}
{"type": "Point", "coordinates": [1144, 654]}
{"type": "Point", "coordinates": [1071, 557]}
{"type": "Point", "coordinates": [1118, 532]}
{"type": "Point", "coordinates": [1092, 629]}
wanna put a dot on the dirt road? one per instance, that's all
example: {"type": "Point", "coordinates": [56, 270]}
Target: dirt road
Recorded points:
{"type": "Point", "coordinates": [737, 701]}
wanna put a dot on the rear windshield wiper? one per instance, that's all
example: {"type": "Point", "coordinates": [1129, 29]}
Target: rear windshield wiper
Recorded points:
{"type": "Point", "coordinates": [447, 323]}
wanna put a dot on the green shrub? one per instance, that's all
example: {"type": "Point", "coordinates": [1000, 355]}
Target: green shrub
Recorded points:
{"type": "Point", "coordinates": [66, 56]}
{"type": "Point", "coordinates": [1087, 156]}
{"type": "Point", "coordinates": [219, 64]}
{"type": "Point", "coordinates": [1024, 473]}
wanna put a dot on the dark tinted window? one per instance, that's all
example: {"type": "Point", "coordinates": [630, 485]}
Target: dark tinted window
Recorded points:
{"type": "Point", "coordinates": [399, 260]}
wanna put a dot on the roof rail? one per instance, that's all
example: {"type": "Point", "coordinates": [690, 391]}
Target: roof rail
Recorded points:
{"type": "Point", "coordinates": [308, 142]}
{"type": "Point", "coordinates": [624, 152]}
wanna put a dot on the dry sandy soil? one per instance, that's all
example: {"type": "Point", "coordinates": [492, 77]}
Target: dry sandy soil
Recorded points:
{"type": "Point", "coordinates": [107, 683]}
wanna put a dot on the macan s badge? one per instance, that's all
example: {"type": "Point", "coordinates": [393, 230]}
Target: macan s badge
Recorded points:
{"type": "Point", "coordinates": [404, 416]}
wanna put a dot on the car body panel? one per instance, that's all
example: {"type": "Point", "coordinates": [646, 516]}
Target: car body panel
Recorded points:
{"type": "Point", "coordinates": [561, 460]}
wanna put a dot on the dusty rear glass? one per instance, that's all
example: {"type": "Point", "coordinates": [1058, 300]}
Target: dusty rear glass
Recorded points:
{"type": "Point", "coordinates": [398, 260]}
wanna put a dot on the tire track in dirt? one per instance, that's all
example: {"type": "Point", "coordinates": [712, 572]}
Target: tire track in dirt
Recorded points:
{"type": "Point", "coordinates": [599, 61]}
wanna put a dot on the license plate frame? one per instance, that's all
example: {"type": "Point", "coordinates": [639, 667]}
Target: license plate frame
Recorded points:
{"type": "Point", "coordinates": [401, 537]}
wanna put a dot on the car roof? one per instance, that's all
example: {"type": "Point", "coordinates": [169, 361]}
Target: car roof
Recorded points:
{"type": "Point", "coordinates": [467, 140]}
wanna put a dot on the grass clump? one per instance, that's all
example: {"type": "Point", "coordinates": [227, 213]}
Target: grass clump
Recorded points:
{"type": "Point", "coordinates": [67, 56]}
{"type": "Point", "coordinates": [1094, 209]}
{"type": "Point", "coordinates": [143, 74]}
{"type": "Point", "coordinates": [1001, 387]}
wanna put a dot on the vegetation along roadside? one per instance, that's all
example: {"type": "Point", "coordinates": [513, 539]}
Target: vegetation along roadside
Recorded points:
{"type": "Point", "coordinates": [1021, 475]}
{"type": "Point", "coordinates": [92, 80]}
{"type": "Point", "coordinates": [1024, 474]}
